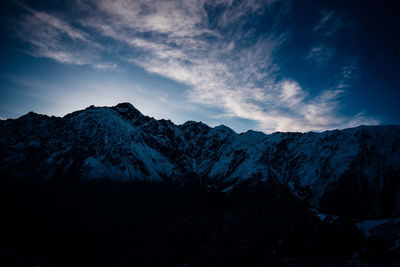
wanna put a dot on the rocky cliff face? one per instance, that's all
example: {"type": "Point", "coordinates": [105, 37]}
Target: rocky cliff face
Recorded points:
{"type": "Point", "coordinates": [352, 171]}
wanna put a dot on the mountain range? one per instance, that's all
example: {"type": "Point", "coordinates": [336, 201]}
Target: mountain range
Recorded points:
{"type": "Point", "coordinates": [349, 172]}
{"type": "Point", "coordinates": [108, 185]}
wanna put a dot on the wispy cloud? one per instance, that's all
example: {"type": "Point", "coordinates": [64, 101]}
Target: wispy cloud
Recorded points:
{"type": "Point", "coordinates": [325, 19]}
{"type": "Point", "coordinates": [327, 28]}
{"type": "Point", "coordinates": [321, 54]}
{"type": "Point", "coordinates": [348, 74]}
{"type": "Point", "coordinates": [331, 22]}
{"type": "Point", "coordinates": [55, 38]}
{"type": "Point", "coordinates": [220, 56]}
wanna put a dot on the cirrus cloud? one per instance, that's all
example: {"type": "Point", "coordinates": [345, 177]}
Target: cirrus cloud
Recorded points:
{"type": "Point", "coordinates": [211, 46]}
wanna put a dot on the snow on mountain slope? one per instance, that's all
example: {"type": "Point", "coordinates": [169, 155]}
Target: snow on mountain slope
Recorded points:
{"type": "Point", "coordinates": [121, 143]}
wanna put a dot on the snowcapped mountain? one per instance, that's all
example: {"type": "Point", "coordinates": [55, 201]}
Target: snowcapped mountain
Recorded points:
{"type": "Point", "coordinates": [358, 167]}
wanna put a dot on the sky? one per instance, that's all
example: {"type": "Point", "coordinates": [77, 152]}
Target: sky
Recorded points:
{"type": "Point", "coordinates": [273, 65]}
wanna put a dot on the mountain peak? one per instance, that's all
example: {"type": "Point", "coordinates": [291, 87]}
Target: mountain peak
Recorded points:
{"type": "Point", "coordinates": [194, 124]}
{"type": "Point", "coordinates": [194, 127]}
{"type": "Point", "coordinates": [224, 128]}
{"type": "Point", "coordinates": [33, 115]}
{"type": "Point", "coordinates": [127, 110]}
{"type": "Point", "coordinates": [125, 105]}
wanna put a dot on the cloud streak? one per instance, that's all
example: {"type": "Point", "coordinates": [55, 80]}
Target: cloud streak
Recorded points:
{"type": "Point", "coordinates": [55, 38]}
{"type": "Point", "coordinates": [207, 45]}
{"type": "Point", "coordinates": [321, 54]}
{"type": "Point", "coordinates": [331, 22]}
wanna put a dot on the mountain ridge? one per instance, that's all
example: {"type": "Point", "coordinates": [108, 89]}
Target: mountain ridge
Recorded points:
{"type": "Point", "coordinates": [121, 143]}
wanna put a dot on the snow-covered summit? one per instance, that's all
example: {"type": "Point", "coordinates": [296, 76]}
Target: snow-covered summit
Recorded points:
{"type": "Point", "coordinates": [127, 110]}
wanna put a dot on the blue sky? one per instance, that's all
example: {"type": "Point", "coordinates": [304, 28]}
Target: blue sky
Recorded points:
{"type": "Point", "coordinates": [274, 65]}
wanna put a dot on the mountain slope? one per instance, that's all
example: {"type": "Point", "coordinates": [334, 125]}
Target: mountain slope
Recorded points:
{"type": "Point", "coordinates": [359, 167]}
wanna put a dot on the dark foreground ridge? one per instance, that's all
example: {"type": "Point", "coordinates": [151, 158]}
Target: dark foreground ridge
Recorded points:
{"type": "Point", "coordinates": [110, 185]}
{"type": "Point", "coordinates": [105, 223]}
